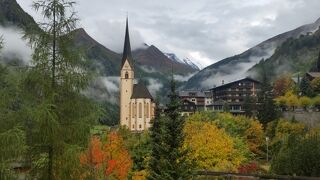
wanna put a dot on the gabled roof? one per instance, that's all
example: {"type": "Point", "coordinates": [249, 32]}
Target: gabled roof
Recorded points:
{"type": "Point", "coordinates": [141, 91]}
{"type": "Point", "coordinates": [191, 93]}
{"type": "Point", "coordinates": [246, 78]}
{"type": "Point", "coordinates": [126, 55]}
{"type": "Point", "coordinates": [313, 74]}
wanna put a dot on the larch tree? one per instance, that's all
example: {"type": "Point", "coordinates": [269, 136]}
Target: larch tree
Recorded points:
{"type": "Point", "coordinates": [58, 116]}
{"type": "Point", "coordinates": [12, 136]}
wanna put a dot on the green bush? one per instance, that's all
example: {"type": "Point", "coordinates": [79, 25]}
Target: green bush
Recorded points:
{"type": "Point", "coordinates": [298, 156]}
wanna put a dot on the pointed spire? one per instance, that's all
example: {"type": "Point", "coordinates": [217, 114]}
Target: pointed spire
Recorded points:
{"type": "Point", "coordinates": [127, 48]}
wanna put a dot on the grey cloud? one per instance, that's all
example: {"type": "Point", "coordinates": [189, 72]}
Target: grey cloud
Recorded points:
{"type": "Point", "coordinates": [183, 78]}
{"type": "Point", "coordinates": [14, 46]}
{"type": "Point", "coordinates": [215, 29]}
{"type": "Point", "coordinates": [104, 89]}
{"type": "Point", "coordinates": [154, 86]}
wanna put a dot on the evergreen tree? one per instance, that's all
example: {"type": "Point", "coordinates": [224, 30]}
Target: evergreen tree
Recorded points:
{"type": "Point", "coordinates": [12, 138]}
{"type": "Point", "coordinates": [249, 106]}
{"type": "Point", "coordinates": [305, 87]}
{"type": "Point", "coordinates": [266, 106]}
{"type": "Point", "coordinates": [171, 163]}
{"type": "Point", "coordinates": [58, 117]}
{"type": "Point", "coordinates": [155, 135]}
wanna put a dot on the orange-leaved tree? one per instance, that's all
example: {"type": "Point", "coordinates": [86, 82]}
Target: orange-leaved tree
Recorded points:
{"type": "Point", "coordinates": [282, 85]}
{"type": "Point", "coordinates": [109, 159]}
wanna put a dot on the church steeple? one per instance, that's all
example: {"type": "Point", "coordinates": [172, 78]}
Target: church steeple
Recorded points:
{"type": "Point", "coordinates": [127, 48]}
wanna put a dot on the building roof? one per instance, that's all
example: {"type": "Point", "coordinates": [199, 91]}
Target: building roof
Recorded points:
{"type": "Point", "coordinates": [226, 85]}
{"type": "Point", "coordinates": [192, 94]}
{"type": "Point", "coordinates": [189, 103]}
{"type": "Point", "coordinates": [141, 91]}
{"type": "Point", "coordinates": [126, 55]}
{"type": "Point", "coordinates": [314, 74]}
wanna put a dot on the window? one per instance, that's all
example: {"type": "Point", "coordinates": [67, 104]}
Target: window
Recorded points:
{"type": "Point", "coordinates": [132, 126]}
{"type": "Point", "coordinates": [140, 126]}
{"type": "Point", "coordinates": [140, 110]}
{"type": "Point", "coordinates": [147, 110]}
{"type": "Point", "coordinates": [126, 76]}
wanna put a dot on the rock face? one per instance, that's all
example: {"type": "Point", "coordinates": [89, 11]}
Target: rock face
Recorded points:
{"type": "Point", "coordinates": [236, 67]}
{"type": "Point", "coordinates": [152, 57]}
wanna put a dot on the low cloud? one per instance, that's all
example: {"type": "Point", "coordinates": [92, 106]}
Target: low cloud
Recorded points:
{"type": "Point", "coordinates": [184, 78]}
{"type": "Point", "coordinates": [104, 89]}
{"type": "Point", "coordinates": [148, 69]}
{"type": "Point", "coordinates": [154, 86]}
{"type": "Point", "coordinates": [232, 72]}
{"type": "Point", "coordinates": [14, 47]}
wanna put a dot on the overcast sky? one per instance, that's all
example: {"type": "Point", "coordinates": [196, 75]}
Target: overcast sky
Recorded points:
{"type": "Point", "coordinates": [205, 31]}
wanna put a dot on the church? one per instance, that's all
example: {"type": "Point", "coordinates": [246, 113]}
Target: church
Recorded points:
{"type": "Point", "coordinates": [136, 103]}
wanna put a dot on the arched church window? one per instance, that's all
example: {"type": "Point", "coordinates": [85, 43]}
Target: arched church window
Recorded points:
{"type": "Point", "coordinates": [132, 109]}
{"type": "Point", "coordinates": [140, 110]}
{"type": "Point", "coordinates": [147, 110]}
{"type": "Point", "coordinates": [126, 75]}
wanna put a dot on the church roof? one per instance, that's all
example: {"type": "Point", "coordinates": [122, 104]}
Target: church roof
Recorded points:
{"type": "Point", "coordinates": [127, 48]}
{"type": "Point", "coordinates": [140, 91]}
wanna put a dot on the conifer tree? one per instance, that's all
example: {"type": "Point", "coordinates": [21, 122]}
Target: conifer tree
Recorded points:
{"type": "Point", "coordinates": [305, 87]}
{"type": "Point", "coordinates": [12, 138]}
{"type": "Point", "coordinates": [58, 116]}
{"type": "Point", "coordinates": [155, 135]}
{"type": "Point", "coordinates": [267, 111]}
{"type": "Point", "coordinates": [171, 163]}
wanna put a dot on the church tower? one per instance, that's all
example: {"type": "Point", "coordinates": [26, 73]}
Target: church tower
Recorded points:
{"type": "Point", "coordinates": [126, 80]}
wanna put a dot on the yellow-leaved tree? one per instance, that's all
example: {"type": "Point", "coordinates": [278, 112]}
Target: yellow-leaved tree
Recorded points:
{"type": "Point", "coordinates": [212, 148]}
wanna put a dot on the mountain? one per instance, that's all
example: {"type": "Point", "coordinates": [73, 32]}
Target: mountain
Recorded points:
{"type": "Point", "coordinates": [191, 63]}
{"type": "Point", "coordinates": [236, 67]}
{"type": "Point", "coordinates": [152, 57]}
{"type": "Point", "coordinates": [107, 62]}
{"type": "Point", "coordinates": [294, 56]}
{"type": "Point", "coordinates": [12, 14]}
{"type": "Point", "coordinates": [186, 61]}
{"type": "Point", "coordinates": [101, 59]}
{"type": "Point", "coordinates": [151, 65]}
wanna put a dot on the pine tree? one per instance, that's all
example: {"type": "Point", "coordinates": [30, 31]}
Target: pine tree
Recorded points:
{"type": "Point", "coordinates": [267, 111]}
{"type": "Point", "coordinates": [249, 106]}
{"type": "Point", "coordinates": [58, 116]}
{"type": "Point", "coordinates": [305, 87]}
{"type": "Point", "coordinates": [155, 135]}
{"type": "Point", "coordinates": [171, 163]}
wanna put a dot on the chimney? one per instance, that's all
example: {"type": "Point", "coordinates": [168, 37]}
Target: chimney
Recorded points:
{"type": "Point", "coordinates": [222, 82]}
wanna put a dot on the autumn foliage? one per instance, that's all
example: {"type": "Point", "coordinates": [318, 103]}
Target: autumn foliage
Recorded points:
{"type": "Point", "coordinates": [248, 168]}
{"type": "Point", "coordinates": [283, 85]}
{"type": "Point", "coordinates": [106, 159]}
{"type": "Point", "coordinates": [212, 148]}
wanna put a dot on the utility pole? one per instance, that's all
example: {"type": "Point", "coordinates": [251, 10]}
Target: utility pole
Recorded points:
{"type": "Point", "coordinates": [267, 140]}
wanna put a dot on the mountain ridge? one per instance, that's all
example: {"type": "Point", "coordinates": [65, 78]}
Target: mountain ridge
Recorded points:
{"type": "Point", "coordinates": [241, 63]}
